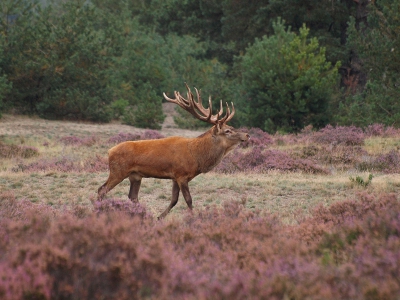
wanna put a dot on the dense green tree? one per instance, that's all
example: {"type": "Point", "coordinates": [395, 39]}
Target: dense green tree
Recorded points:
{"type": "Point", "coordinates": [14, 15]}
{"type": "Point", "coordinates": [376, 45]}
{"type": "Point", "coordinates": [100, 59]}
{"type": "Point", "coordinates": [59, 61]}
{"type": "Point", "coordinates": [147, 113]}
{"type": "Point", "coordinates": [5, 85]}
{"type": "Point", "coordinates": [288, 82]}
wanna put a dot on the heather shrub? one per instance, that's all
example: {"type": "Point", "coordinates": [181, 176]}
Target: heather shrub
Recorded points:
{"type": "Point", "coordinates": [78, 141]}
{"type": "Point", "coordinates": [341, 155]}
{"type": "Point", "coordinates": [10, 151]}
{"type": "Point", "coordinates": [122, 206]}
{"type": "Point", "coordinates": [387, 163]}
{"type": "Point", "coordinates": [345, 135]}
{"type": "Point", "coordinates": [359, 208]}
{"type": "Point", "coordinates": [381, 130]}
{"type": "Point", "coordinates": [258, 138]}
{"type": "Point", "coordinates": [349, 250]}
{"type": "Point", "coordinates": [93, 164]}
{"type": "Point", "coordinates": [258, 160]}
{"type": "Point", "coordinates": [123, 137]}
{"type": "Point", "coordinates": [146, 135]}
{"type": "Point", "coordinates": [151, 135]}
{"type": "Point", "coordinates": [23, 209]}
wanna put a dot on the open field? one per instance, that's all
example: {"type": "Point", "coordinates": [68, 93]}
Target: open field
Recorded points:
{"type": "Point", "coordinates": [54, 169]}
{"type": "Point", "coordinates": [272, 191]}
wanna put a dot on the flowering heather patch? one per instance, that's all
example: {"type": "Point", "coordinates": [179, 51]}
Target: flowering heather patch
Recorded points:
{"type": "Point", "coordinates": [387, 163]}
{"type": "Point", "coordinates": [259, 160]}
{"type": "Point", "coordinates": [23, 209]}
{"type": "Point", "coordinates": [151, 135]}
{"type": "Point", "coordinates": [340, 155]}
{"type": "Point", "coordinates": [78, 141]}
{"type": "Point", "coordinates": [257, 138]}
{"type": "Point", "coordinates": [346, 135]}
{"type": "Point", "coordinates": [123, 206]}
{"type": "Point", "coordinates": [94, 164]}
{"type": "Point", "coordinates": [64, 164]}
{"type": "Point", "coordinates": [381, 130]}
{"type": "Point", "coordinates": [123, 137]}
{"type": "Point", "coordinates": [350, 250]}
{"type": "Point", "coordinates": [146, 135]}
{"type": "Point", "coordinates": [9, 151]}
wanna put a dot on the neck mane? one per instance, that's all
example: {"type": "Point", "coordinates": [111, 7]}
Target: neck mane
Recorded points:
{"type": "Point", "coordinates": [207, 150]}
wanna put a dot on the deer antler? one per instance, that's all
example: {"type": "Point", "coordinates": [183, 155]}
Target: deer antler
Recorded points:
{"type": "Point", "coordinates": [197, 109]}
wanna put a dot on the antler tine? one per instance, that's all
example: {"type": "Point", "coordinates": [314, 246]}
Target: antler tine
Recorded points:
{"type": "Point", "coordinates": [197, 109]}
{"type": "Point", "coordinates": [229, 115]}
{"type": "Point", "coordinates": [221, 110]}
{"type": "Point", "coordinates": [199, 104]}
{"type": "Point", "coordinates": [190, 106]}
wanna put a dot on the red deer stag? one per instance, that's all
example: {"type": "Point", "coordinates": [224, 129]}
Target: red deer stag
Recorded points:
{"type": "Point", "coordinates": [177, 158]}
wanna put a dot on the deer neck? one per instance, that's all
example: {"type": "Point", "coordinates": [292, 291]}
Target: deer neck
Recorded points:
{"type": "Point", "coordinates": [207, 150]}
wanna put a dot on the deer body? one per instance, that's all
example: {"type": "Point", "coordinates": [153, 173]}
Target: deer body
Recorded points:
{"type": "Point", "coordinates": [177, 158]}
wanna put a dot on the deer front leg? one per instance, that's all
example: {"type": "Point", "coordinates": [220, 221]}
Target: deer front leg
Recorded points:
{"type": "Point", "coordinates": [184, 186]}
{"type": "Point", "coordinates": [174, 200]}
{"type": "Point", "coordinates": [134, 189]}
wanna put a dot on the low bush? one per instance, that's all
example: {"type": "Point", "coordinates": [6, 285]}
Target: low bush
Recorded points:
{"type": "Point", "coordinates": [123, 206]}
{"type": "Point", "coordinates": [151, 135]}
{"type": "Point", "coordinates": [349, 250]}
{"type": "Point", "coordinates": [345, 135]}
{"type": "Point", "coordinates": [381, 130]}
{"type": "Point", "coordinates": [146, 135]}
{"type": "Point", "coordinates": [78, 141]}
{"type": "Point", "coordinates": [258, 160]}
{"type": "Point", "coordinates": [340, 156]}
{"type": "Point", "coordinates": [258, 138]}
{"type": "Point", "coordinates": [387, 163]}
{"type": "Point", "coordinates": [123, 137]}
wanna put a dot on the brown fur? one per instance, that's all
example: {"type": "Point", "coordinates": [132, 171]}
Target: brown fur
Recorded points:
{"type": "Point", "coordinates": [177, 158]}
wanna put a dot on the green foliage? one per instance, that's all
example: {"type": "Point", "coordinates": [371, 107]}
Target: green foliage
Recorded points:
{"type": "Point", "coordinates": [377, 47]}
{"type": "Point", "coordinates": [119, 106]}
{"type": "Point", "coordinates": [184, 120]}
{"type": "Point", "coordinates": [5, 85]}
{"type": "Point", "coordinates": [360, 181]}
{"type": "Point", "coordinates": [77, 59]}
{"type": "Point", "coordinates": [147, 113]}
{"type": "Point", "coordinates": [288, 81]}
{"type": "Point", "coordinates": [58, 62]}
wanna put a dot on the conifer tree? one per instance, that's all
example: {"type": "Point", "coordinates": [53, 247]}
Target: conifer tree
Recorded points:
{"type": "Point", "coordinates": [288, 82]}
{"type": "Point", "coordinates": [377, 46]}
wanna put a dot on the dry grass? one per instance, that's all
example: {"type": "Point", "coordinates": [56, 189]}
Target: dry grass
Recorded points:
{"type": "Point", "coordinates": [274, 192]}
{"type": "Point", "coordinates": [284, 193]}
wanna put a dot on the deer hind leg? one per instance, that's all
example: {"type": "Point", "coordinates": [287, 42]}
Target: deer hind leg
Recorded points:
{"type": "Point", "coordinates": [134, 189]}
{"type": "Point", "coordinates": [174, 200]}
{"type": "Point", "coordinates": [111, 182]}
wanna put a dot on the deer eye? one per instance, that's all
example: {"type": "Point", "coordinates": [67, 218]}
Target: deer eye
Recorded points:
{"type": "Point", "coordinates": [227, 131]}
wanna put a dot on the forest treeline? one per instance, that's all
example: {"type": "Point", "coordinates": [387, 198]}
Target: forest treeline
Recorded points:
{"type": "Point", "coordinates": [285, 64]}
